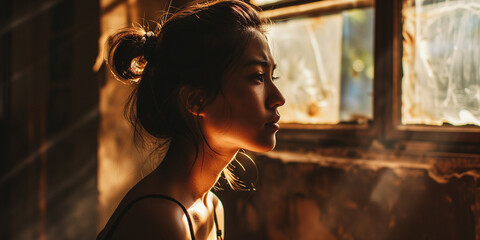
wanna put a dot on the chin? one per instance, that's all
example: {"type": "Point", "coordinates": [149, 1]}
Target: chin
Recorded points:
{"type": "Point", "coordinates": [266, 149]}
{"type": "Point", "coordinates": [265, 146]}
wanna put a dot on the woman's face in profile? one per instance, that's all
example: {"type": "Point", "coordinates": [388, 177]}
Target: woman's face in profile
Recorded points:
{"type": "Point", "coordinates": [245, 115]}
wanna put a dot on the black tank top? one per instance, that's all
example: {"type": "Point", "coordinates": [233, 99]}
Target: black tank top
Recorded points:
{"type": "Point", "coordinates": [108, 235]}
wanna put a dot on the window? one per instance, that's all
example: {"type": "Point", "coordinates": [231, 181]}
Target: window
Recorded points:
{"type": "Point", "coordinates": [326, 63]}
{"type": "Point", "coordinates": [333, 41]}
{"type": "Point", "coordinates": [433, 92]}
{"type": "Point", "coordinates": [326, 66]}
{"type": "Point", "coordinates": [406, 72]}
{"type": "Point", "coordinates": [441, 59]}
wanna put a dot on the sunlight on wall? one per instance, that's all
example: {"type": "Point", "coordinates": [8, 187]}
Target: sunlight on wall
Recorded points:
{"type": "Point", "coordinates": [119, 164]}
{"type": "Point", "coordinates": [441, 60]}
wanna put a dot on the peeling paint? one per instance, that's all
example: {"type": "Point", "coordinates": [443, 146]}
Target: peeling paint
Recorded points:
{"type": "Point", "coordinates": [439, 168]}
{"type": "Point", "coordinates": [361, 198]}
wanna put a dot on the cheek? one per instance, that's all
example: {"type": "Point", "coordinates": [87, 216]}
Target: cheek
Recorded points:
{"type": "Point", "coordinates": [238, 118]}
{"type": "Point", "coordinates": [247, 102]}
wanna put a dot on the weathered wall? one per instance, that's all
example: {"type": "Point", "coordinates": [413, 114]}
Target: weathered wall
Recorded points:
{"type": "Point", "coordinates": [310, 197]}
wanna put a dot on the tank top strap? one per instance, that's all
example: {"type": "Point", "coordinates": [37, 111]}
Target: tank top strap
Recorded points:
{"type": "Point", "coordinates": [115, 223]}
{"type": "Point", "coordinates": [219, 231]}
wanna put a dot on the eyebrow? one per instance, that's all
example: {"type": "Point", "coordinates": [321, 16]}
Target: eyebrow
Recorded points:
{"type": "Point", "coordinates": [262, 63]}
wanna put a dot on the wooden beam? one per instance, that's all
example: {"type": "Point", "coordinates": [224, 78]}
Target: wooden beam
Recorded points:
{"type": "Point", "coordinates": [314, 8]}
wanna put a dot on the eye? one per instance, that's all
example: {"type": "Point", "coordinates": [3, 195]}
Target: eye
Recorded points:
{"type": "Point", "coordinates": [274, 78]}
{"type": "Point", "coordinates": [259, 77]}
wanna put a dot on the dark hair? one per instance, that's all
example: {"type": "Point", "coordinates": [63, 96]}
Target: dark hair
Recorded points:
{"type": "Point", "coordinates": [195, 47]}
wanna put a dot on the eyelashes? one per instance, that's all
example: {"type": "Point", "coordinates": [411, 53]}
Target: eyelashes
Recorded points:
{"type": "Point", "coordinates": [261, 77]}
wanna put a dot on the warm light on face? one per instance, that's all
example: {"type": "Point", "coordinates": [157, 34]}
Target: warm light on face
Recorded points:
{"type": "Point", "coordinates": [243, 116]}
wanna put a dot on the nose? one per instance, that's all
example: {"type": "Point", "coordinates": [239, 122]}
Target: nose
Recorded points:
{"type": "Point", "coordinates": [275, 98]}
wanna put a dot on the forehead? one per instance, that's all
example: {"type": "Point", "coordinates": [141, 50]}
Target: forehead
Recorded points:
{"type": "Point", "coordinates": [256, 49]}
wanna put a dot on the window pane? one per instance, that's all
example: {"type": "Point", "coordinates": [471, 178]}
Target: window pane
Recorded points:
{"type": "Point", "coordinates": [325, 65]}
{"type": "Point", "coordinates": [441, 59]}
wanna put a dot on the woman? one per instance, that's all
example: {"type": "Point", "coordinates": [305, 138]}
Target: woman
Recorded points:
{"type": "Point", "coordinates": [205, 83]}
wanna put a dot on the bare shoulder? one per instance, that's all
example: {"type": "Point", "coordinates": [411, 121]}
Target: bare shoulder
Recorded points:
{"type": "Point", "coordinates": [153, 218]}
{"type": "Point", "coordinates": [216, 201]}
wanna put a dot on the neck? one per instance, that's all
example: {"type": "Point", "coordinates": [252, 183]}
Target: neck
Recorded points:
{"type": "Point", "coordinates": [193, 172]}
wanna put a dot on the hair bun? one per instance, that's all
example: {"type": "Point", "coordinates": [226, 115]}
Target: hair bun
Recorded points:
{"type": "Point", "coordinates": [150, 42]}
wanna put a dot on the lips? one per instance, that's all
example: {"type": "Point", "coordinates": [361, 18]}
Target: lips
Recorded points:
{"type": "Point", "coordinates": [274, 122]}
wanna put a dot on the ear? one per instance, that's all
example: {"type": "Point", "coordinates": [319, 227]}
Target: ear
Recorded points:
{"type": "Point", "coordinates": [192, 99]}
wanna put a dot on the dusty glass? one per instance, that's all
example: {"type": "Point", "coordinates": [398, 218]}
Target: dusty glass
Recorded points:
{"type": "Point", "coordinates": [441, 59]}
{"type": "Point", "coordinates": [325, 65]}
